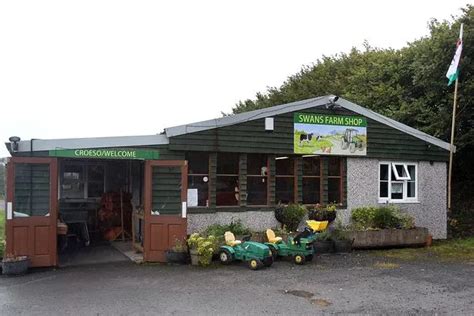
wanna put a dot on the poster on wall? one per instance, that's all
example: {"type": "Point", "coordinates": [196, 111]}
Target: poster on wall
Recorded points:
{"type": "Point", "coordinates": [330, 134]}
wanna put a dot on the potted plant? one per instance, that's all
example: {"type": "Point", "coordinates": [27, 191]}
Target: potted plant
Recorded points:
{"type": "Point", "coordinates": [179, 253]}
{"type": "Point", "coordinates": [15, 265]}
{"type": "Point", "coordinates": [323, 243]}
{"type": "Point", "coordinates": [290, 216]}
{"type": "Point", "coordinates": [201, 249]}
{"type": "Point", "coordinates": [323, 213]}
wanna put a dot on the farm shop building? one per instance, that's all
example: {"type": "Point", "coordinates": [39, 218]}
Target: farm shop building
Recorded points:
{"type": "Point", "coordinates": [154, 189]}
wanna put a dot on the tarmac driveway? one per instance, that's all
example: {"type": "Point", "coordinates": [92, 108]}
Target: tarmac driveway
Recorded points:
{"type": "Point", "coordinates": [355, 283]}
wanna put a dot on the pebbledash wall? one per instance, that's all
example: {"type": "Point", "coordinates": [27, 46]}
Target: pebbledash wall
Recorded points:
{"type": "Point", "coordinates": [362, 190]}
{"type": "Point", "coordinates": [429, 212]}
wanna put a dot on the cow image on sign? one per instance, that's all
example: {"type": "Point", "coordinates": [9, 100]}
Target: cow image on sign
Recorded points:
{"type": "Point", "coordinates": [330, 134]}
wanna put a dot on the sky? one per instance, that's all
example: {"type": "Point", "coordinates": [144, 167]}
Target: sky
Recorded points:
{"type": "Point", "coordinates": [112, 68]}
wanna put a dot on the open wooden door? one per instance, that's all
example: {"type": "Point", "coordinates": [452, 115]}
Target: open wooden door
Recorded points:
{"type": "Point", "coordinates": [32, 196]}
{"type": "Point", "coordinates": [165, 194]}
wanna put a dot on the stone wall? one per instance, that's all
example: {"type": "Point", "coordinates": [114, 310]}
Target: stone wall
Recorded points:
{"type": "Point", "coordinates": [429, 212]}
{"type": "Point", "coordinates": [255, 220]}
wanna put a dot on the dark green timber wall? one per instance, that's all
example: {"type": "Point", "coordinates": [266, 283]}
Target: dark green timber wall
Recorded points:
{"type": "Point", "coordinates": [383, 141]}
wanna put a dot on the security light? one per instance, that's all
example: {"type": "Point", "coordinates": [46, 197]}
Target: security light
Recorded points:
{"type": "Point", "coordinates": [14, 141]}
{"type": "Point", "coordinates": [333, 99]}
{"type": "Point", "coordinates": [332, 102]}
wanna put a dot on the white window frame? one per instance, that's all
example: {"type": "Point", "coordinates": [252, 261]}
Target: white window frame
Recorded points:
{"type": "Point", "coordinates": [398, 179]}
{"type": "Point", "coordinates": [405, 168]}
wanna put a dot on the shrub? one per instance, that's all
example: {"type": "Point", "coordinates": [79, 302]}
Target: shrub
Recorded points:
{"type": "Point", "coordinates": [179, 246]}
{"type": "Point", "coordinates": [290, 216]}
{"type": "Point", "coordinates": [324, 236]}
{"type": "Point", "coordinates": [323, 213]}
{"type": "Point", "coordinates": [385, 217]}
{"type": "Point", "coordinates": [218, 230]}
{"type": "Point", "coordinates": [371, 217]}
{"type": "Point", "coordinates": [204, 246]}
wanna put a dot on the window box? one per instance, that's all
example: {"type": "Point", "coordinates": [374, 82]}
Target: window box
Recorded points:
{"type": "Point", "coordinates": [388, 238]}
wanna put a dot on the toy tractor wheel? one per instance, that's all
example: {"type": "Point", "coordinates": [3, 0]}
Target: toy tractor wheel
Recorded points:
{"type": "Point", "coordinates": [274, 253]}
{"type": "Point", "coordinates": [225, 256]}
{"type": "Point", "coordinates": [255, 264]}
{"type": "Point", "coordinates": [299, 259]}
{"type": "Point", "coordinates": [309, 258]}
{"type": "Point", "coordinates": [268, 261]}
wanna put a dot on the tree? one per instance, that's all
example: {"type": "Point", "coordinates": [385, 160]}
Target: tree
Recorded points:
{"type": "Point", "coordinates": [408, 85]}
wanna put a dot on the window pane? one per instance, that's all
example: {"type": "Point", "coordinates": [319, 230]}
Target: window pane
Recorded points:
{"type": "Point", "coordinates": [284, 190]}
{"type": "Point", "coordinates": [383, 172]}
{"type": "Point", "coordinates": [311, 190]}
{"type": "Point", "coordinates": [95, 180]}
{"type": "Point", "coordinates": [411, 171]}
{"type": "Point", "coordinates": [334, 190]}
{"type": "Point", "coordinates": [257, 190]}
{"type": "Point", "coordinates": [227, 163]}
{"type": "Point", "coordinates": [397, 190]}
{"type": "Point", "coordinates": [227, 190]}
{"type": "Point", "coordinates": [95, 173]}
{"type": "Point", "coordinates": [311, 166]}
{"type": "Point", "coordinates": [200, 183]}
{"type": "Point", "coordinates": [285, 166]}
{"type": "Point", "coordinates": [73, 182]}
{"type": "Point", "coordinates": [257, 164]}
{"type": "Point", "coordinates": [73, 172]}
{"type": "Point", "coordinates": [384, 189]}
{"type": "Point", "coordinates": [334, 166]}
{"type": "Point", "coordinates": [95, 189]}
{"type": "Point", "coordinates": [31, 190]}
{"type": "Point", "coordinates": [411, 189]}
{"type": "Point", "coordinates": [198, 162]}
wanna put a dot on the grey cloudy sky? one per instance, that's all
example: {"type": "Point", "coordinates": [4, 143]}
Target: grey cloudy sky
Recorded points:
{"type": "Point", "coordinates": [106, 68]}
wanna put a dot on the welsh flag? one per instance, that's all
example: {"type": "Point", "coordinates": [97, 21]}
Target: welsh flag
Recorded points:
{"type": "Point", "coordinates": [453, 70]}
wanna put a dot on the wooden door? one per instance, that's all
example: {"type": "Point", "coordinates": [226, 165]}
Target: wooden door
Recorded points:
{"type": "Point", "coordinates": [165, 194]}
{"type": "Point", "coordinates": [32, 196]}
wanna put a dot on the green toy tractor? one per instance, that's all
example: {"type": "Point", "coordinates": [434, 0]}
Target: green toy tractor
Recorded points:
{"type": "Point", "coordinates": [300, 247]}
{"type": "Point", "coordinates": [257, 255]}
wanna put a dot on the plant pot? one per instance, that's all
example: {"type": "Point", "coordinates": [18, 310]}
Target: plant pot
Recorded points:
{"type": "Point", "coordinates": [280, 215]}
{"type": "Point", "coordinates": [323, 246]}
{"type": "Point", "coordinates": [176, 257]}
{"type": "Point", "coordinates": [194, 257]}
{"type": "Point", "coordinates": [18, 266]}
{"type": "Point", "coordinates": [343, 246]}
{"type": "Point", "coordinates": [322, 215]}
{"type": "Point", "coordinates": [203, 261]}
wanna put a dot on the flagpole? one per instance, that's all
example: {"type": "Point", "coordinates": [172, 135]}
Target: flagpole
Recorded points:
{"type": "Point", "coordinates": [453, 124]}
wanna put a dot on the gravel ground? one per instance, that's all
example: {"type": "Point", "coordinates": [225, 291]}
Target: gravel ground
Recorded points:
{"type": "Point", "coordinates": [358, 283]}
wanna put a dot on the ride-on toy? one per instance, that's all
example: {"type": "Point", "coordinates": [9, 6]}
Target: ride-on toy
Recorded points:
{"type": "Point", "coordinates": [299, 247]}
{"type": "Point", "coordinates": [255, 254]}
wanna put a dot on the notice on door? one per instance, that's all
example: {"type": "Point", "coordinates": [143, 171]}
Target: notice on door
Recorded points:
{"type": "Point", "coordinates": [192, 197]}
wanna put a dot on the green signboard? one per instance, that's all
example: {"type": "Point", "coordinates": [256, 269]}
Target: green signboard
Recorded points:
{"type": "Point", "coordinates": [106, 153]}
{"type": "Point", "coordinates": [323, 119]}
{"type": "Point", "coordinates": [323, 134]}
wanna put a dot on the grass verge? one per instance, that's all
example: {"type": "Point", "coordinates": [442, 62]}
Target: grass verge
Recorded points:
{"type": "Point", "coordinates": [445, 250]}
